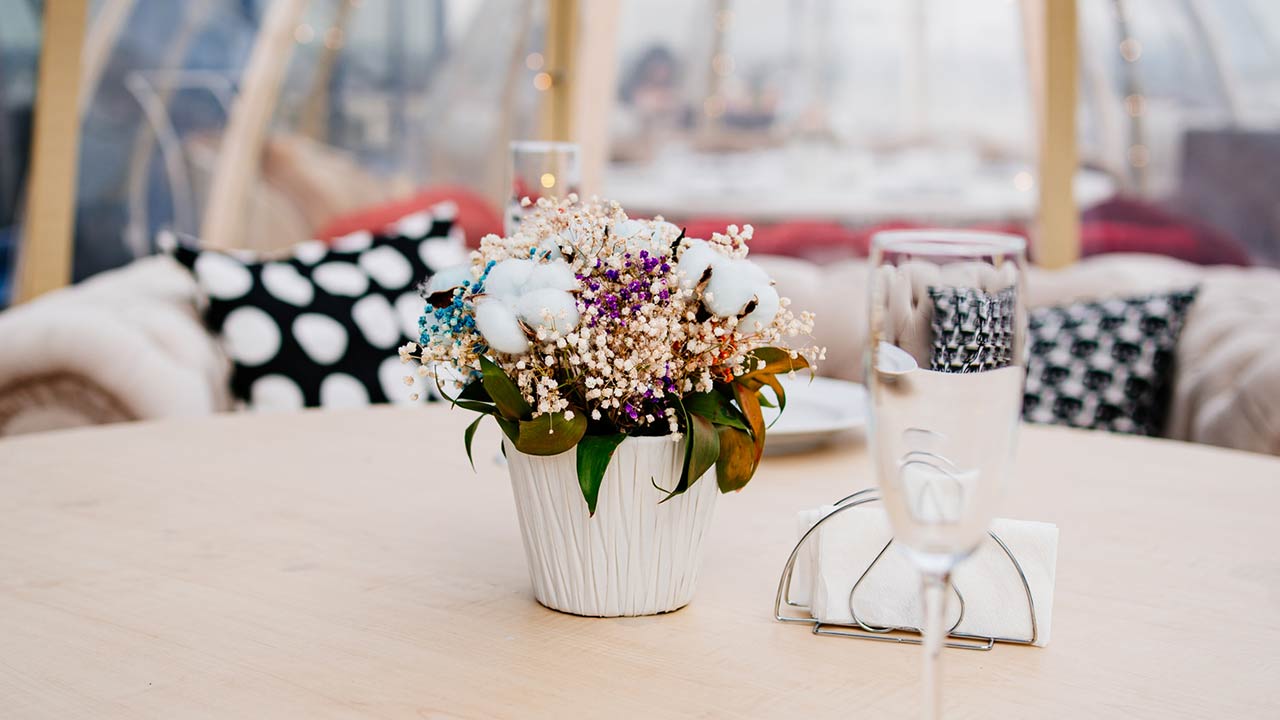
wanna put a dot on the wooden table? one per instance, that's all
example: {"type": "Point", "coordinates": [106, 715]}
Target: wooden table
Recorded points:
{"type": "Point", "coordinates": [351, 565]}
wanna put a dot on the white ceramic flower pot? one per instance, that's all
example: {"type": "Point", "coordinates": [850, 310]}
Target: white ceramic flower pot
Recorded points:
{"type": "Point", "coordinates": [634, 556]}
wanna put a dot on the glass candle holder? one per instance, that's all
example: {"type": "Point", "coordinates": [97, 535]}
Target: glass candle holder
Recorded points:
{"type": "Point", "coordinates": [539, 169]}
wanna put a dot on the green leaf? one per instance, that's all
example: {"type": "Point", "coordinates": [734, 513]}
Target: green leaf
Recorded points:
{"type": "Point", "coordinates": [701, 452]}
{"type": "Point", "coordinates": [749, 401]}
{"type": "Point", "coordinates": [469, 436]}
{"type": "Point", "coordinates": [510, 428]}
{"type": "Point", "coordinates": [503, 390]}
{"type": "Point", "coordinates": [778, 392]}
{"type": "Point", "coordinates": [474, 390]}
{"type": "Point", "coordinates": [736, 463]}
{"type": "Point", "coordinates": [474, 406]}
{"type": "Point", "coordinates": [594, 453]}
{"type": "Point", "coordinates": [714, 407]}
{"type": "Point", "coordinates": [550, 434]}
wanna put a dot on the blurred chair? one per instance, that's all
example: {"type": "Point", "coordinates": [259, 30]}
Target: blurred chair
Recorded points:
{"type": "Point", "coordinates": [1228, 179]}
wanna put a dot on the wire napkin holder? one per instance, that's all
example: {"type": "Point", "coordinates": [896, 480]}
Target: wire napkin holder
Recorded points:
{"type": "Point", "coordinates": [865, 631]}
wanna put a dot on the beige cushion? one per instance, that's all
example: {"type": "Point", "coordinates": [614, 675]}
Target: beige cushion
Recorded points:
{"type": "Point", "coordinates": [1228, 387]}
{"type": "Point", "coordinates": [127, 344]}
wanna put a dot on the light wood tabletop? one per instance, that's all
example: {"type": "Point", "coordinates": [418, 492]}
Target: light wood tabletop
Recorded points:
{"type": "Point", "coordinates": [350, 564]}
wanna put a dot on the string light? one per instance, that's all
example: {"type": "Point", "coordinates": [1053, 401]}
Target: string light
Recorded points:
{"type": "Point", "coordinates": [1130, 49]}
{"type": "Point", "coordinates": [1135, 104]}
{"type": "Point", "coordinates": [548, 180]}
{"type": "Point", "coordinates": [1139, 156]}
{"type": "Point", "coordinates": [333, 38]}
{"type": "Point", "coordinates": [713, 107]}
{"type": "Point", "coordinates": [534, 61]}
{"type": "Point", "coordinates": [722, 64]}
{"type": "Point", "coordinates": [304, 34]}
{"type": "Point", "coordinates": [542, 81]}
{"type": "Point", "coordinates": [1024, 181]}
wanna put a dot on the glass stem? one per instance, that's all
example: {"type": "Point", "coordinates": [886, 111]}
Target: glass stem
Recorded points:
{"type": "Point", "coordinates": [933, 594]}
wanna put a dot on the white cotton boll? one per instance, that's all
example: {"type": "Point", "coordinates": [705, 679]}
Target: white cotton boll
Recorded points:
{"type": "Point", "coordinates": [753, 272]}
{"type": "Point", "coordinates": [549, 249]}
{"type": "Point", "coordinates": [507, 278]}
{"type": "Point", "coordinates": [636, 235]}
{"type": "Point", "coordinates": [556, 275]}
{"type": "Point", "coordinates": [629, 228]}
{"type": "Point", "coordinates": [641, 241]}
{"type": "Point", "coordinates": [696, 257]}
{"type": "Point", "coordinates": [730, 288]}
{"type": "Point", "coordinates": [448, 278]}
{"type": "Point", "coordinates": [664, 230]}
{"type": "Point", "coordinates": [767, 307]}
{"type": "Point", "coordinates": [498, 326]}
{"type": "Point", "coordinates": [534, 305]}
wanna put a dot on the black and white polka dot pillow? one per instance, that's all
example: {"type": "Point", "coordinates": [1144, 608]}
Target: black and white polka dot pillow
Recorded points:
{"type": "Point", "coordinates": [322, 326]}
{"type": "Point", "coordinates": [1105, 365]}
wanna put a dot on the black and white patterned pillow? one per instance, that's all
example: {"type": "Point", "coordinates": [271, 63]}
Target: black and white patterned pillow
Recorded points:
{"type": "Point", "coordinates": [1105, 365]}
{"type": "Point", "coordinates": [972, 329]}
{"type": "Point", "coordinates": [322, 327]}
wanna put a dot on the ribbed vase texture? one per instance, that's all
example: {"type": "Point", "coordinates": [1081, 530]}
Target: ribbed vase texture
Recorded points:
{"type": "Point", "coordinates": [634, 556]}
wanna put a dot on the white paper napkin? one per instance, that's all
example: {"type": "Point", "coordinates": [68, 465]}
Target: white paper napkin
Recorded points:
{"type": "Point", "coordinates": [995, 600]}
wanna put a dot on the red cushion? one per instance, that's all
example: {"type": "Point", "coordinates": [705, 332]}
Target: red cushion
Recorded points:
{"type": "Point", "coordinates": [476, 216]}
{"type": "Point", "coordinates": [1123, 224]}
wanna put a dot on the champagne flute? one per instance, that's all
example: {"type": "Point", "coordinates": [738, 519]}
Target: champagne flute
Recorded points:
{"type": "Point", "coordinates": [943, 427]}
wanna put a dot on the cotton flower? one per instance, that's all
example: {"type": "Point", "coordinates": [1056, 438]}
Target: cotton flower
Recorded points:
{"type": "Point", "coordinates": [548, 308]}
{"type": "Point", "coordinates": [508, 277]}
{"type": "Point", "coordinates": [549, 249]}
{"type": "Point", "coordinates": [497, 324]}
{"type": "Point", "coordinates": [555, 275]}
{"type": "Point", "coordinates": [696, 257]}
{"type": "Point", "coordinates": [766, 309]}
{"type": "Point", "coordinates": [732, 285]}
{"type": "Point", "coordinates": [447, 279]}
{"type": "Point", "coordinates": [628, 228]}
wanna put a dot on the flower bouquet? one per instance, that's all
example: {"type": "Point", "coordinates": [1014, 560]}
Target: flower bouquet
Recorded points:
{"type": "Point", "coordinates": [624, 363]}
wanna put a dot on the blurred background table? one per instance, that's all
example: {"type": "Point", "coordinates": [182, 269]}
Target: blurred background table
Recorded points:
{"type": "Point", "coordinates": [345, 564]}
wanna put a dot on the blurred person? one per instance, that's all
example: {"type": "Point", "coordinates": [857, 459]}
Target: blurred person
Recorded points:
{"type": "Point", "coordinates": [650, 108]}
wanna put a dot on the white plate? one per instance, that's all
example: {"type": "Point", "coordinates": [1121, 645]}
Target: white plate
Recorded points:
{"type": "Point", "coordinates": [818, 411]}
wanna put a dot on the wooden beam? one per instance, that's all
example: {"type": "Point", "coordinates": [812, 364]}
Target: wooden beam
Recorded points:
{"type": "Point", "coordinates": [100, 39]}
{"type": "Point", "coordinates": [594, 87]}
{"type": "Point", "coordinates": [48, 225]}
{"type": "Point", "coordinates": [1054, 22]}
{"type": "Point", "coordinates": [559, 84]}
{"type": "Point", "coordinates": [240, 155]}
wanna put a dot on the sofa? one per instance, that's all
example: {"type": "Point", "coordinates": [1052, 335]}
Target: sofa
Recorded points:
{"type": "Point", "coordinates": [128, 344]}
